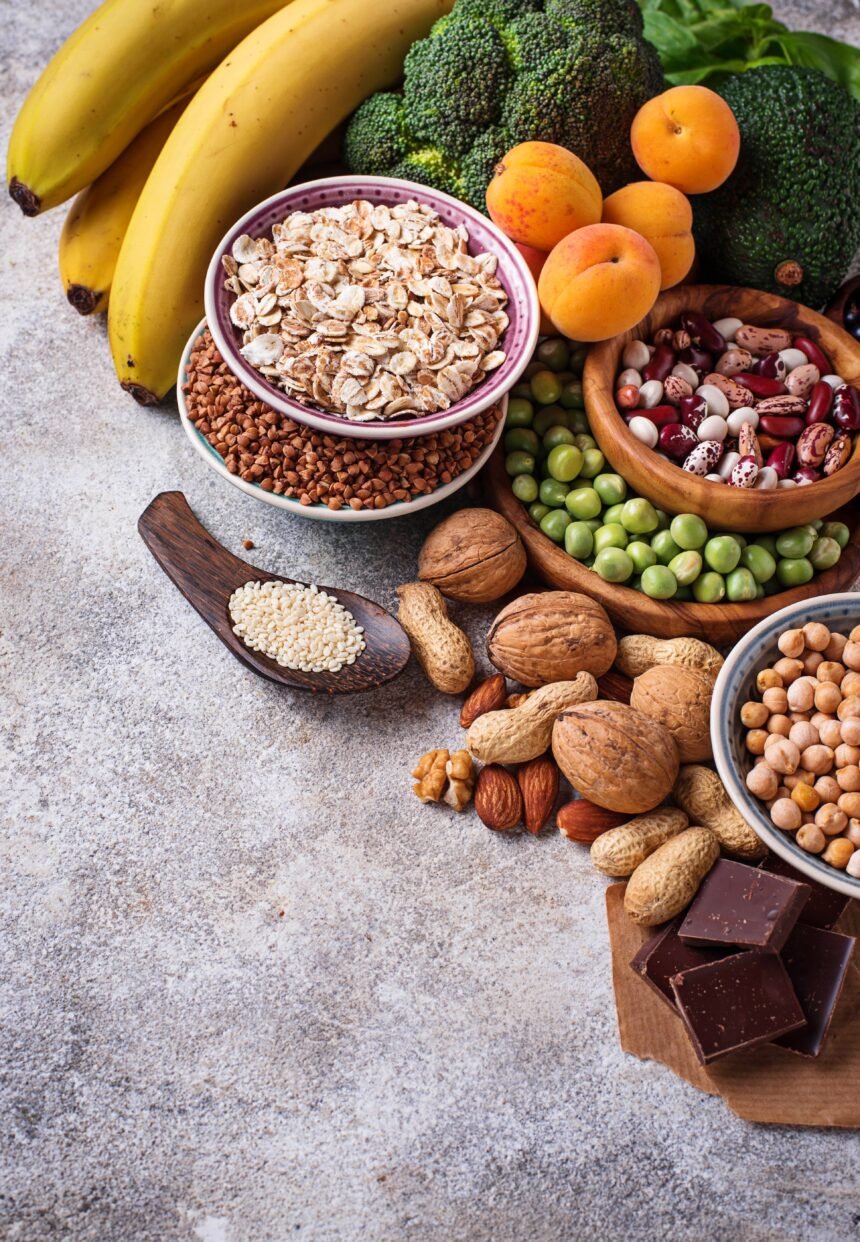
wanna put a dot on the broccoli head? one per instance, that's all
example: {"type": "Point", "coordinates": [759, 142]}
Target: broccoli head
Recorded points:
{"type": "Point", "coordinates": [493, 73]}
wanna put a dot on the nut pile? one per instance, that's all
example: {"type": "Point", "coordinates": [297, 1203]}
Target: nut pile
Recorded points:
{"type": "Point", "coordinates": [739, 404]}
{"type": "Point", "coordinates": [288, 459]}
{"type": "Point", "coordinates": [805, 734]}
{"type": "Point", "coordinates": [368, 311]}
{"type": "Point", "coordinates": [299, 627]}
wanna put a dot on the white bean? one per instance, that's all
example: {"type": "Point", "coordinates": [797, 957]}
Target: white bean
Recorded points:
{"type": "Point", "coordinates": [716, 401]}
{"type": "Point", "coordinates": [630, 376]}
{"type": "Point", "coordinates": [650, 394]}
{"type": "Point", "coordinates": [682, 371]}
{"type": "Point", "coordinates": [714, 478]}
{"type": "Point", "coordinates": [727, 465]}
{"type": "Point", "coordinates": [636, 355]}
{"type": "Point", "coordinates": [727, 328]}
{"type": "Point", "coordinates": [767, 479]}
{"type": "Point", "coordinates": [835, 381]}
{"type": "Point", "coordinates": [643, 429]}
{"type": "Point", "coordinates": [714, 427]}
{"type": "Point", "coordinates": [793, 358]}
{"type": "Point", "coordinates": [737, 418]}
{"type": "Point", "coordinates": [784, 483]}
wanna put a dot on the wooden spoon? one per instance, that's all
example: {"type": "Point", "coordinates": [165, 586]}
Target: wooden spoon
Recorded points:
{"type": "Point", "coordinates": [207, 575]}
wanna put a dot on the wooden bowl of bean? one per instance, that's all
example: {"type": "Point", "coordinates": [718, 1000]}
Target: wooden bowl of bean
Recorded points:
{"type": "Point", "coordinates": [780, 437]}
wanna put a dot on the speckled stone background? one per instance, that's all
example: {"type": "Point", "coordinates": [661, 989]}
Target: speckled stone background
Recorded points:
{"type": "Point", "coordinates": [250, 989]}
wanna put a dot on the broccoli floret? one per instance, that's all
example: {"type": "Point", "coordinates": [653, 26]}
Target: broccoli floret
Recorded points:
{"type": "Point", "coordinates": [376, 138]}
{"type": "Point", "coordinates": [601, 17]}
{"type": "Point", "coordinates": [787, 202]}
{"type": "Point", "coordinates": [532, 38]}
{"type": "Point", "coordinates": [498, 12]}
{"type": "Point", "coordinates": [476, 170]}
{"type": "Point", "coordinates": [428, 166]}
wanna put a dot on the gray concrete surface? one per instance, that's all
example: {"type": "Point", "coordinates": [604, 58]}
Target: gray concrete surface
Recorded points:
{"type": "Point", "coordinates": [251, 989]}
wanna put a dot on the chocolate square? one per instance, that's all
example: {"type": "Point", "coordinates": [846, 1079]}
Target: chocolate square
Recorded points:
{"type": "Point", "coordinates": [738, 1002]}
{"type": "Point", "coordinates": [817, 963]}
{"type": "Point", "coordinates": [665, 955]}
{"type": "Point", "coordinates": [743, 906]}
{"type": "Point", "coordinates": [823, 906]}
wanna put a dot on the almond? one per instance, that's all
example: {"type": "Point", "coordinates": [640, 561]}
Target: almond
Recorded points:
{"type": "Point", "coordinates": [538, 782]}
{"type": "Point", "coordinates": [616, 686]}
{"type": "Point", "coordinates": [582, 821]}
{"type": "Point", "coordinates": [490, 696]}
{"type": "Point", "coordinates": [498, 801]}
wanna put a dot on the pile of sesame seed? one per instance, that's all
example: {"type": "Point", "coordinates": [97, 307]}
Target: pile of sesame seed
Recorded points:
{"type": "Point", "coordinates": [300, 627]}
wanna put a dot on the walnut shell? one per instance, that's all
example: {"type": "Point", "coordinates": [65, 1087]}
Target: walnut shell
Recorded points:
{"type": "Point", "coordinates": [475, 555]}
{"type": "Point", "coordinates": [551, 636]}
{"type": "Point", "coordinates": [680, 698]}
{"type": "Point", "coordinates": [615, 756]}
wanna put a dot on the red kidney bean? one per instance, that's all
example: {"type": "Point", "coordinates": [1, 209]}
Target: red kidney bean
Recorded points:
{"type": "Point", "coordinates": [694, 410]}
{"type": "Point", "coordinates": [662, 361]}
{"type": "Point", "coordinates": [772, 367]}
{"type": "Point", "coordinates": [627, 397]}
{"type": "Point", "coordinates": [820, 401]}
{"type": "Point", "coordinates": [806, 474]}
{"type": "Point", "coordinates": [702, 332]}
{"type": "Point", "coordinates": [846, 408]}
{"type": "Point", "coordinates": [761, 385]}
{"type": "Point", "coordinates": [660, 415]}
{"type": "Point", "coordinates": [766, 442]}
{"type": "Point", "coordinates": [814, 353]}
{"type": "Point", "coordinates": [699, 359]}
{"type": "Point", "coordinates": [677, 440]}
{"type": "Point", "coordinates": [781, 459]}
{"type": "Point", "coordinates": [785, 427]}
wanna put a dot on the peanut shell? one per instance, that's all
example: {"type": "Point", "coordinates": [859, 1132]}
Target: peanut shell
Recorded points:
{"type": "Point", "coordinates": [517, 734]}
{"type": "Point", "coordinates": [668, 880]}
{"type": "Point", "coordinates": [703, 796]}
{"type": "Point", "coordinates": [439, 646]}
{"type": "Point", "coordinates": [621, 850]}
{"type": "Point", "coordinates": [639, 652]}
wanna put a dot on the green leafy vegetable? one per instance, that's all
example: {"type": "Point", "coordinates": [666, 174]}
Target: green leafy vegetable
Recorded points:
{"type": "Point", "coordinates": [708, 40]}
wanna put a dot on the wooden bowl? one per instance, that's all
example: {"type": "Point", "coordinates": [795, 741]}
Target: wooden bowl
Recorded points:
{"type": "Point", "coordinates": [637, 613]}
{"type": "Point", "coordinates": [670, 487]}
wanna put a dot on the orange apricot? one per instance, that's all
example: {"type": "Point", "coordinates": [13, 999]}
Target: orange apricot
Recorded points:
{"type": "Point", "coordinates": [688, 137]}
{"type": "Point", "coordinates": [535, 260]}
{"type": "Point", "coordinates": [540, 192]}
{"type": "Point", "coordinates": [664, 217]}
{"type": "Point", "coordinates": [599, 281]}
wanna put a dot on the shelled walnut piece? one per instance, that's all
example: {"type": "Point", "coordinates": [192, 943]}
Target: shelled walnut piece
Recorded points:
{"type": "Point", "coordinates": [444, 777]}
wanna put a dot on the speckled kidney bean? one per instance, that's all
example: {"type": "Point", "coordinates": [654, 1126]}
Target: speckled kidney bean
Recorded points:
{"type": "Point", "coordinates": [820, 403]}
{"type": "Point", "coordinates": [838, 453]}
{"type": "Point", "coordinates": [813, 444]}
{"type": "Point", "coordinates": [736, 395]}
{"type": "Point", "coordinates": [782, 428]}
{"type": "Point", "coordinates": [801, 381]}
{"type": "Point", "coordinates": [761, 385]}
{"type": "Point", "coordinates": [762, 341]}
{"type": "Point", "coordinates": [660, 364]}
{"type": "Point", "coordinates": [774, 366]}
{"type": "Point", "coordinates": [660, 415]}
{"type": "Point", "coordinates": [674, 388]}
{"type": "Point", "coordinates": [677, 440]}
{"type": "Point", "coordinates": [781, 406]}
{"type": "Point", "coordinates": [814, 353]}
{"type": "Point", "coordinates": [702, 332]}
{"type": "Point", "coordinates": [781, 459]}
{"type": "Point", "coordinates": [734, 361]}
{"type": "Point", "coordinates": [699, 359]}
{"type": "Point", "coordinates": [694, 410]}
{"type": "Point", "coordinates": [806, 475]}
{"type": "Point", "coordinates": [704, 457]}
{"type": "Point", "coordinates": [745, 473]}
{"type": "Point", "coordinates": [846, 408]}
{"type": "Point", "coordinates": [748, 445]}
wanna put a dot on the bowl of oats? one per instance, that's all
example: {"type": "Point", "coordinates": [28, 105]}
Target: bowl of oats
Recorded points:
{"type": "Point", "coordinates": [372, 307]}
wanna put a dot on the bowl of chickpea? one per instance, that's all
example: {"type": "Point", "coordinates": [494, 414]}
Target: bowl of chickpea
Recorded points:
{"type": "Point", "coordinates": [785, 729]}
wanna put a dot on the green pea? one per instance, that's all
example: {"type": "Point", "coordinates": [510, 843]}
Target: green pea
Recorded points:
{"type": "Point", "coordinates": [710, 588]}
{"type": "Point", "coordinates": [794, 571]}
{"type": "Point", "coordinates": [520, 463]}
{"type": "Point", "coordinates": [552, 493]}
{"type": "Point", "coordinates": [550, 416]}
{"type": "Point", "coordinates": [613, 564]}
{"type": "Point", "coordinates": [665, 547]}
{"type": "Point", "coordinates": [817, 523]}
{"type": "Point", "coordinates": [579, 540]}
{"type": "Point", "coordinates": [546, 388]}
{"type": "Point", "coordinates": [555, 436]}
{"type": "Point", "coordinates": [593, 462]}
{"type": "Point", "coordinates": [663, 519]}
{"type": "Point", "coordinates": [522, 439]}
{"type": "Point", "coordinates": [555, 523]}
{"type": "Point", "coordinates": [584, 442]}
{"type": "Point", "coordinates": [635, 583]}
{"type": "Point", "coordinates": [689, 532]}
{"type": "Point", "coordinates": [578, 355]}
{"type": "Point", "coordinates": [658, 582]}
{"type": "Point", "coordinates": [583, 502]}
{"type": "Point", "coordinates": [611, 488]}
{"type": "Point", "coordinates": [613, 514]}
{"type": "Point", "coordinates": [564, 462]}
{"type": "Point", "coordinates": [740, 540]}
{"type": "Point", "coordinates": [594, 524]}
{"type": "Point", "coordinates": [553, 353]}
{"type": "Point", "coordinates": [520, 413]}
{"type": "Point", "coordinates": [533, 368]}
{"type": "Point", "coordinates": [639, 516]}
{"type": "Point", "coordinates": [768, 542]}
{"type": "Point", "coordinates": [758, 561]}
{"type": "Point", "coordinates": [759, 590]}
{"type": "Point", "coordinates": [538, 511]}
{"type": "Point", "coordinates": [571, 395]}
{"type": "Point", "coordinates": [741, 586]}
{"type": "Point", "coordinates": [838, 531]}
{"type": "Point", "coordinates": [682, 593]}
{"type": "Point", "coordinates": [522, 392]}
{"type": "Point", "coordinates": [722, 553]}
{"type": "Point", "coordinates": [612, 536]}
{"type": "Point", "coordinates": [824, 554]}
{"type": "Point", "coordinates": [796, 543]}
{"type": "Point", "coordinates": [686, 567]}
{"type": "Point", "coordinates": [525, 488]}
{"type": "Point", "coordinates": [642, 555]}
{"type": "Point", "coordinates": [579, 423]}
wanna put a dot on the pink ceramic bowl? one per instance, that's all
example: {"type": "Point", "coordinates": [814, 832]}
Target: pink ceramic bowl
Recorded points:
{"type": "Point", "coordinates": [522, 309]}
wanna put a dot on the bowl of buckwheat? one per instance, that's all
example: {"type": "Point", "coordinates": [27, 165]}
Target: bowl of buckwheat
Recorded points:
{"type": "Point", "coordinates": [371, 308]}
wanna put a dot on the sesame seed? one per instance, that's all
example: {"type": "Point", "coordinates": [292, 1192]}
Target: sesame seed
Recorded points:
{"type": "Point", "coordinates": [300, 627]}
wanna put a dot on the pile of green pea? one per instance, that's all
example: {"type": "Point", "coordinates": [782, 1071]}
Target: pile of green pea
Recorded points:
{"type": "Point", "coordinates": [560, 474]}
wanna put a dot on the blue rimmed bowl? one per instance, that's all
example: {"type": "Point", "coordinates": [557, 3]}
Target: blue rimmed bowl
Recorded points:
{"type": "Point", "coordinates": [734, 686]}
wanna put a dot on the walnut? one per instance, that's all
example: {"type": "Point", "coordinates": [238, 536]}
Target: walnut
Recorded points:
{"type": "Point", "coordinates": [443, 777]}
{"type": "Point", "coordinates": [475, 555]}
{"type": "Point", "coordinates": [430, 776]}
{"type": "Point", "coordinates": [461, 780]}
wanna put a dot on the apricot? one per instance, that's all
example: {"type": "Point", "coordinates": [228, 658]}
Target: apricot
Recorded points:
{"type": "Point", "coordinates": [664, 217]}
{"type": "Point", "coordinates": [535, 260]}
{"type": "Point", "coordinates": [540, 192]}
{"type": "Point", "coordinates": [599, 281]}
{"type": "Point", "coordinates": [687, 137]}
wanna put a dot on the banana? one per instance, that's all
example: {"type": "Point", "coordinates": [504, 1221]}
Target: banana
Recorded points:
{"type": "Point", "coordinates": [96, 222]}
{"type": "Point", "coordinates": [242, 137]}
{"type": "Point", "coordinates": [128, 61]}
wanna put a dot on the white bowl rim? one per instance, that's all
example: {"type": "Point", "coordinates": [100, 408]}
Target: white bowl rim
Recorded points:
{"type": "Point", "coordinates": [378, 430]}
{"type": "Point", "coordinates": [320, 512]}
{"type": "Point", "coordinates": [779, 842]}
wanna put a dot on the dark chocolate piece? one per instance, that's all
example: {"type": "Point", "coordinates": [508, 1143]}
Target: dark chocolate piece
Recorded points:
{"type": "Point", "coordinates": [824, 905]}
{"type": "Point", "coordinates": [817, 963]}
{"type": "Point", "coordinates": [743, 906]}
{"type": "Point", "coordinates": [665, 955]}
{"type": "Point", "coordinates": [737, 1002]}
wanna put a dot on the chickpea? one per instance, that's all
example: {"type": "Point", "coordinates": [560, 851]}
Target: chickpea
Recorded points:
{"type": "Point", "coordinates": [782, 755]}
{"type": "Point", "coordinates": [853, 868]}
{"type": "Point", "coordinates": [830, 670]}
{"type": "Point", "coordinates": [828, 696]}
{"type": "Point", "coordinates": [807, 818]}
{"type": "Point", "coordinates": [815, 635]}
{"type": "Point", "coordinates": [854, 636]}
{"type": "Point", "coordinates": [850, 684]}
{"type": "Point", "coordinates": [851, 655]}
{"type": "Point", "coordinates": [786, 814]}
{"type": "Point", "coordinates": [780, 725]}
{"type": "Point", "coordinates": [811, 661]}
{"type": "Point", "coordinates": [791, 643]}
{"type": "Point", "coordinates": [827, 789]}
{"type": "Point", "coordinates": [756, 739]}
{"type": "Point", "coordinates": [817, 759]}
{"type": "Point", "coordinates": [846, 778]}
{"type": "Point", "coordinates": [775, 699]}
{"type": "Point", "coordinates": [849, 709]}
{"type": "Point", "coordinates": [763, 782]}
{"type": "Point", "coordinates": [834, 649]}
{"type": "Point", "coordinates": [852, 832]}
{"type": "Point", "coordinates": [831, 820]}
{"type": "Point", "coordinates": [767, 679]}
{"type": "Point", "coordinates": [795, 716]}
{"type": "Point", "coordinates": [811, 839]}
{"type": "Point", "coordinates": [803, 734]}
{"type": "Point", "coordinates": [838, 853]}
{"type": "Point", "coordinates": [805, 797]}
{"type": "Point", "coordinates": [850, 731]}
{"type": "Point", "coordinates": [830, 733]}
{"type": "Point", "coordinates": [783, 792]}
{"type": "Point", "coordinates": [850, 804]}
{"type": "Point", "coordinates": [844, 756]}
{"type": "Point", "coordinates": [801, 694]}
{"type": "Point", "coordinates": [753, 714]}
{"type": "Point", "coordinates": [789, 670]}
